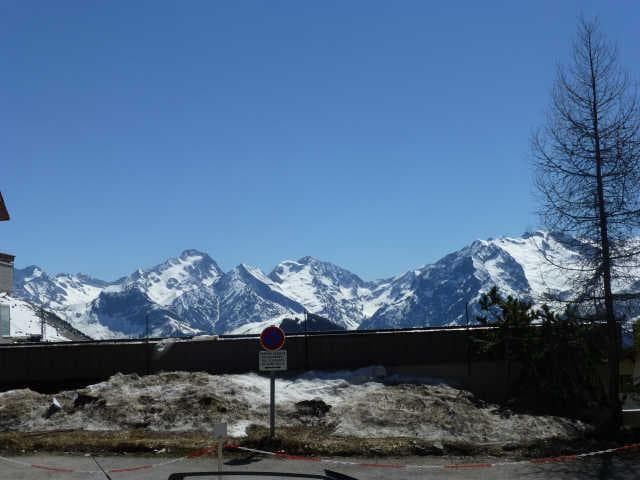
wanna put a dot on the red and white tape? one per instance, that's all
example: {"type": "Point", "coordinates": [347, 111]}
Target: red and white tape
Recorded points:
{"type": "Point", "coordinates": [558, 459]}
{"type": "Point", "coordinates": [135, 468]}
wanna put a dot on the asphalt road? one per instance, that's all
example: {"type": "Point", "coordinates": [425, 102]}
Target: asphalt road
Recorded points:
{"type": "Point", "coordinates": [625, 466]}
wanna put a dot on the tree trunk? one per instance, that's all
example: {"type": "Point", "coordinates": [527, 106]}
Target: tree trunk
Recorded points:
{"type": "Point", "coordinates": [612, 326]}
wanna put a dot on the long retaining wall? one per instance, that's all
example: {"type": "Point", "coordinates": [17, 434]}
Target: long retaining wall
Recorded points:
{"type": "Point", "coordinates": [441, 353]}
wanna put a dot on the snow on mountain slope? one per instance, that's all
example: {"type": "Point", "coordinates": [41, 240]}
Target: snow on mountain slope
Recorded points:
{"type": "Point", "coordinates": [241, 299]}
{"type": "Point", "coordinates": [200, 308]}
{"type": "Point", "coordinates": [190, 295]}
{"type": "Point", "coordinates": [60, 291]}
{"type": "Point", "coordinates": [429, 297]}
{"type": "Point", "coordinates": [246, 295]}
{"type": "Point", "coordinates": [169, 280]}
{"type": "Point", "coordinates": [324, 289]}
{"type": "Point", "coordinates": [115, 309]}
{"type": "Point", "coordinates": [25, 321]}
{"type": "Point", "coordinates": [130, 313]}
{"type": "Point", "coordinates": [438, 294]}
{"type": "Point", "coordinates": [534, 252]}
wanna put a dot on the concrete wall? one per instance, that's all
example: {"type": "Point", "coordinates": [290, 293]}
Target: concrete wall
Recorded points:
{"type": "Point", "coordinates": [443, 353]}
{"type": "Point", "coordinates": [440, 354]}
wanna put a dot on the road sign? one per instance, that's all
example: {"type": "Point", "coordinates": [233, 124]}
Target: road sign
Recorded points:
{"type": "Point", "coordinates": [272, 338]}
{"type": "Point", "coordinates": [273, 361]}
{"type": "Point", "coordinates": [220, 431]}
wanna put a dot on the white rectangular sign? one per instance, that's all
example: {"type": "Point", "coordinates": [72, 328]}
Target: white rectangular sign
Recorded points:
{"type": "Point", "coordinates": [220, 431]}
{"type": "Point", "coordinates": [273, 361]}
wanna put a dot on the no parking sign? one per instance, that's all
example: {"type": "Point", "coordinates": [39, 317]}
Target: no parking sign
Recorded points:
{"type": "Point", "coordinates": [272, 338]}
{"type": "Point", "coordinates": [272, 359]}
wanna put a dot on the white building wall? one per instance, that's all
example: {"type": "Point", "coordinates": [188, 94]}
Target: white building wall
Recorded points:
{"type": "Point", "coordinates": [6, 276]}
{"type": "Point", "coordinates": [5, 320]}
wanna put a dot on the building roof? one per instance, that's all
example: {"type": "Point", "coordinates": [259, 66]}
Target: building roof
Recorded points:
{"type": "Point", "coordinates": [4, 213]}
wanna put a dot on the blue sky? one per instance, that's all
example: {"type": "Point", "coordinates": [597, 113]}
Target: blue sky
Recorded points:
{"type": "Point", "coordinates": [376, 135]}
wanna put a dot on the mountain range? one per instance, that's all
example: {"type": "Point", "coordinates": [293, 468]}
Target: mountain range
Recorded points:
{"type": "Point", "coordinates": [191, 295]}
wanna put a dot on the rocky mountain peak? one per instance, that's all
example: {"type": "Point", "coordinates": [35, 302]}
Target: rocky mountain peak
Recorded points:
{"type": "Point", "coordinates": [190, 293]}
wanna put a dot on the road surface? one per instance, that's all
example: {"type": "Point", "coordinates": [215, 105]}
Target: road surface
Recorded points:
{"type": "Point", "coordinates": [624, 466]}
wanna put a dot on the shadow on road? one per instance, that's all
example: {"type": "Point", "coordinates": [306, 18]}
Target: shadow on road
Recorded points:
{"type": "Point", "coordinates": [247, 460]}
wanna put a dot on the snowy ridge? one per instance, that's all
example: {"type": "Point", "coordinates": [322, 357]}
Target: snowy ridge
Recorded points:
{"type": "Point", "coordinates": [191, 295]}
{"type": "Point", "coordinates": [62, 290]}
{"type": "Point", "coordinates": [324, 289]}
{"type": "Point", "coordinates": [173, 278]}
{"type": "Point", "coordinates": [246, 295]}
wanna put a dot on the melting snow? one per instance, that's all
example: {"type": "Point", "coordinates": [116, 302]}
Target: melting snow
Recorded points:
{"type": "Point", "coordinates": [363, 403]}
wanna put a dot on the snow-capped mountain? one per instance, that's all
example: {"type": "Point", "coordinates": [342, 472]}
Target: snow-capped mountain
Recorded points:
{"type": "Point", "coordinates": [438, 294]}
{"type": "Point", "coordinates": [325, 289]}
{"type": "Point", "coordinates": [190, 294]}
{"type": "Point", "coordinates": [246, 295]}
{"type": "Point", "coordinates": [186, 295]}
{"type": "Point", "coordinates": [56, 292]}
{"type": "Point", "coordinates": [164, 283]}
{"type": "Point", "coordinates": [129, 307]}
{"type": "Point", "coordinates": [130, 312]}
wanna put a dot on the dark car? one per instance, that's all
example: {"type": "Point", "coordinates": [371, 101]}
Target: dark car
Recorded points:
{"type": "Point", "coordinates": [328, 475]}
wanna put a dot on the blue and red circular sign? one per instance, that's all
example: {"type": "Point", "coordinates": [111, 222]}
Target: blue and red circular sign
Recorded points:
{"type": "Point", "coordinates": [272, 338]}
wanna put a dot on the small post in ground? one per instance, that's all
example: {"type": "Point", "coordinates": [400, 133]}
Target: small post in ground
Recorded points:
{"type": "Point", "coordinates": [220, 435]}
{"type": "Point", "coordinates": [272, 407]}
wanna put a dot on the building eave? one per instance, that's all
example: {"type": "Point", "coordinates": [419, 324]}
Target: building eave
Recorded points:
{"type": "Point", "coordinates": [4, 213]}
{"type": "Point", "coordinates": [6, 258]}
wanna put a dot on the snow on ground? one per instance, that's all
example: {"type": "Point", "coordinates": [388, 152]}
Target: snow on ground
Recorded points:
{"type": "Point", "coordinates": [25, 321]}
{"type": "Point", "coordinates": [361, 403]}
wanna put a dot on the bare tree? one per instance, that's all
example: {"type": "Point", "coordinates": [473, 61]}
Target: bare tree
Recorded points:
{"type": "Point", "coordinates": [587, 159]}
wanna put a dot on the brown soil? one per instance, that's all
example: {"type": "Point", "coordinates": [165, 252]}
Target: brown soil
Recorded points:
{"type": "Point", "coordinates": [299, 440]}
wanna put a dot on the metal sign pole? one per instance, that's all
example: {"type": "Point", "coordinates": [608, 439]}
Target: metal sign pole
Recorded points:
{"type": "Point", "coordinates": [220, 435]}
{"type": "Point", "coordinates": [272, 407]}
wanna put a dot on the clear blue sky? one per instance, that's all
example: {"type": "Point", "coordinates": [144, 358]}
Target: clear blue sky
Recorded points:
{"type": "Point", "coordinates": [376, 135]}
